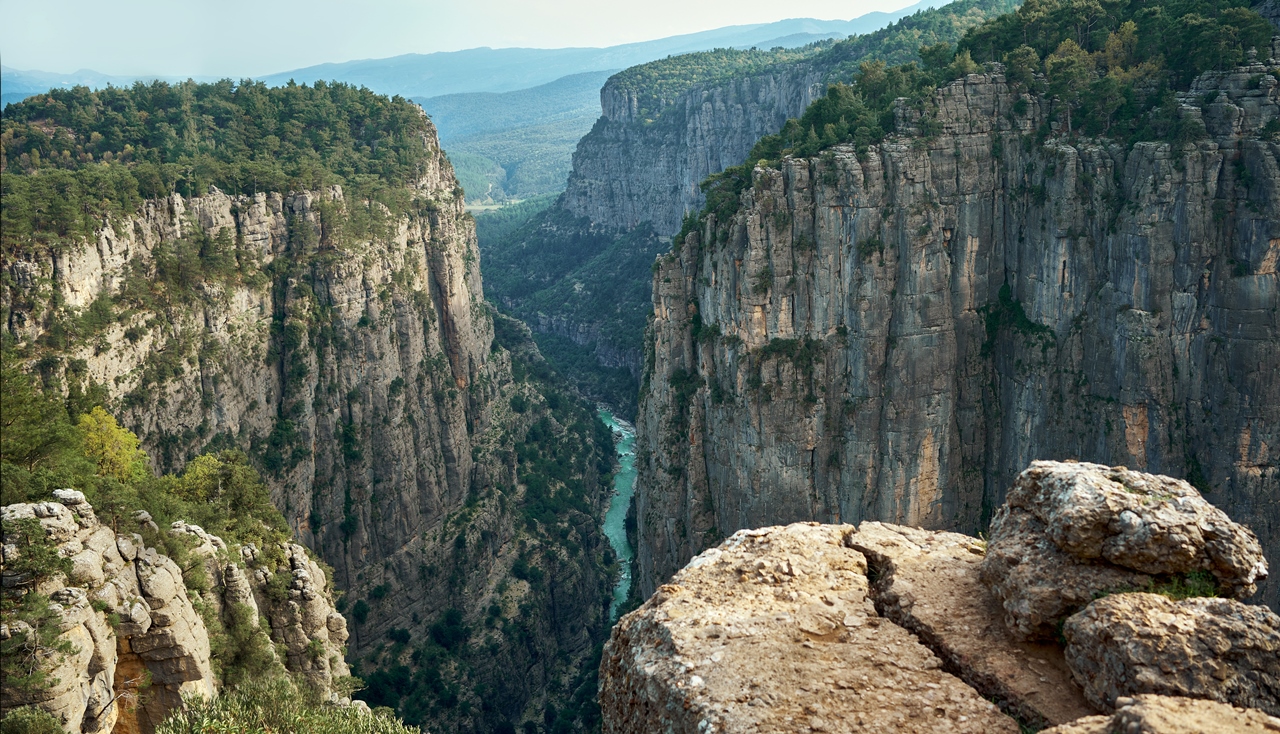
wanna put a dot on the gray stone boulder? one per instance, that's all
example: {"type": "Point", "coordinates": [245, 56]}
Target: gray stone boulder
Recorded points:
{"type": "Point", "coordinates": [1218, 649]}
{"type": "Point", "coordinates": [1069, 532]}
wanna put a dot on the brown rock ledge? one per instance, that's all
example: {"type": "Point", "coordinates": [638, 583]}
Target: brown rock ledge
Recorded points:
{"type": "Point", "coordinates": [775, 631]}
{"type": "Point", "coordinates": [1149, 714]}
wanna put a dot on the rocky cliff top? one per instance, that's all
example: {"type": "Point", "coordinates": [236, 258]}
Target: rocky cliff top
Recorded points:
{"type": "Point", "coordinates": [881, 627]}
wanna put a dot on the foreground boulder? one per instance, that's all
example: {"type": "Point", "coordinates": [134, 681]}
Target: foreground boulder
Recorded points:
{"type": "Point", "coordinates": [1070, 532]}
{"type": "Point", "coordinates": [888, 628]}
{"type": "Point", "coordinates": [1217, 649]}
{"type": "Point", "coordinates": [1150, 714]}
{"type": "Point", "coordinates": [775, 630]}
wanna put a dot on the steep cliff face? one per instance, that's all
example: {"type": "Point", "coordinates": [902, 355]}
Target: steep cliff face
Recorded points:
{"type": "Point", "coordinates": [352, 355]}
{"type": "Point", "coordinates": [630, 170]}
{"type": "Point", "coordinates": [664, 128]}
{"type": "Point", "coordinates": [893, 336]}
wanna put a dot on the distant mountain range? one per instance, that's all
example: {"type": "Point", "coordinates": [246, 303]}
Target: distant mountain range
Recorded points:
{"type": "Point", "coordinates": [509, 117]}
{"type": "Point", "coordinates": [508, 69]}
{"type": "Point", "coordinates": [502, 69]}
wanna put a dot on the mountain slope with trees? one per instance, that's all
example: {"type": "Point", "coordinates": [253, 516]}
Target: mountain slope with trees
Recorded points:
{"type": "Point", "coordinates": [289, 273]}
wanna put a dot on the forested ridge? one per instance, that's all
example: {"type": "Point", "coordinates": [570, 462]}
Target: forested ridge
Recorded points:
{"type": "Point", "coordinates": [659, 83]}
{"type": "Point", "coordinates": [1110, 68]}
{"type": "Point", "coordinates": [73, 157]}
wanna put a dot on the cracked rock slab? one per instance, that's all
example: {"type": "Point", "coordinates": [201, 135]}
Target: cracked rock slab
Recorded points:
{"type": "Point", "coordinates": [928, 582]}
{"type": "Point", "coordinates": [774, 631]}
{"type": "Point", "coordinates": [1218, 649]}
{"type": "Point", "coordinates": [1151, 714]}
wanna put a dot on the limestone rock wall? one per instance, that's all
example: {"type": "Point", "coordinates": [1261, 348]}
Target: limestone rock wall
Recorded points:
{"type": "Point", "coordinates": [894, 336]}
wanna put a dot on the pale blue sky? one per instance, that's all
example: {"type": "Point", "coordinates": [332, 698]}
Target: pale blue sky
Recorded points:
{"type": "Point", "coordinates": [255, 37]}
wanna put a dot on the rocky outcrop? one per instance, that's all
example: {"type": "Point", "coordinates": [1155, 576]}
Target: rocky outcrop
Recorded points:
{"type": "Point", "coordinates": [1166, 715]}
{"type": "Point", "coordinates": [775, 631]}
{"type": "Point", "coordinates": [1218, 649]}
{"type": "Point", "coordinates": [1069, 533]}
{"type": "Point", "coordinates": [351, 354]}
{"type": "Point", "coordinates": [137, 643]}
{"type": "Point", "coordinates": [896, 334]}
{"type": "Point", "coordinates": [883, 627]}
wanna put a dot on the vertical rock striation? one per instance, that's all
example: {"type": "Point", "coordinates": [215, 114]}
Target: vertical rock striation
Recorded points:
{"type": "Point", "coordinates": [629, 170]}
{"type": "Point", "coordinates": [895, 335]}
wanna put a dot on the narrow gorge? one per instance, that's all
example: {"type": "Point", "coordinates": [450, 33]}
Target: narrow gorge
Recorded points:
{"type": "Point", "coordinates": [578, 273]}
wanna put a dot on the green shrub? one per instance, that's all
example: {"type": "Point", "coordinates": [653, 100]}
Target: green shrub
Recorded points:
{"type": "Point", "coordinates": [276, 705]}
{"type": "Point", "coordinates": [29, 720]}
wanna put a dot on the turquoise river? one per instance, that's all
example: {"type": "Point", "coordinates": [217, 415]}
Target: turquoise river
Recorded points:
{"type": "Point", "coordinates": [615, 520]}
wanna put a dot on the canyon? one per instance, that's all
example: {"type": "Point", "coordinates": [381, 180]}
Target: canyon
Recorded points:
{"type": "Point", "coordinates": [664, 127]}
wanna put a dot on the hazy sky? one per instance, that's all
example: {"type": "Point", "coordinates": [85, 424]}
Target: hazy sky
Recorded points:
{"type": "Point", "coordinates": [256, 37]}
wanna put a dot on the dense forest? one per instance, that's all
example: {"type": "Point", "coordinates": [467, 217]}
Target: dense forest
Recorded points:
{"type": "Point", "coordinates": [72, 157]}
{"type": "Point", "coordinates": [526, 246]}
{"type": "Point", "coordinates": [1109, 68]}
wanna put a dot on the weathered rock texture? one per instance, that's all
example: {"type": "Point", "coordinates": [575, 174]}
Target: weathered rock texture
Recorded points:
{"type": "Point", "coordinates": [139, 643]}
{"type": "Point", "coordinates": [1069, 532]}
{"type": "Point", "coordinates": [813, 627]}
{"type": "Point", "coordinates": [928, 582]}
{"type": "Point", "coordinates": [645, 165]}
{"type": "Point", "coordinates": [775, 631]}
{"type": "Point", "coordinates": [896, 335]}
{"type": "Point", "coordinates": [1218, 649]}
{"type": "Point", "coordinates": [363, 377]}
{"type": "Point", "coordinates": [1167, 715]}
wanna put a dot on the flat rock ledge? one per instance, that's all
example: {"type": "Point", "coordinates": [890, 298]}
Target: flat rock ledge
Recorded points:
{"type": "Point", "coordinates": [928, 582]}
{"type": "Point", "coordinates": [776, 630]}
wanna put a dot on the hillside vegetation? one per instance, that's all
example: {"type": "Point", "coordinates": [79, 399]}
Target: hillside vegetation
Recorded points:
{"type": "Point", "coordinates": [72, 157]}
{"type": "Point", "coordinates": [657, 84]}
{"type": "Point", "coordinates": [50, 442]}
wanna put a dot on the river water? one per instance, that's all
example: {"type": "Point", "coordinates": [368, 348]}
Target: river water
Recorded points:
{"type": "Point", "coordinates": [624, 484]}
